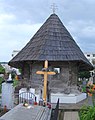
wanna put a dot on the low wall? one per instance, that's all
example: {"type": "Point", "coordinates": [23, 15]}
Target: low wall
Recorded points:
{"type": "Point", "coordinates": [70, 98]}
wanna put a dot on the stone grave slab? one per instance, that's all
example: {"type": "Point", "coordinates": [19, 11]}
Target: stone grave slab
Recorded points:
{"type": "Point", "coordinates": [71, 116]}
{"type": "Point", "coordinates": [27, 113]}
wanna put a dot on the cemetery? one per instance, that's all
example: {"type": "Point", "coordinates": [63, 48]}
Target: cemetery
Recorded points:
{"type": "Point", "coordinates": [48, 88]}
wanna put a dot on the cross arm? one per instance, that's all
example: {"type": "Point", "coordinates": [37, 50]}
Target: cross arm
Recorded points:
{"type": "Point", "coordinates": [51, 73]}
{"type": "Point", "coordinates": [40, 72]}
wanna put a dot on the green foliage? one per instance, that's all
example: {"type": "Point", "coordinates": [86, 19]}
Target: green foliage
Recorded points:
{"type": "Point", "coordinates": [13, 76]}
{"type": "Point", "coordinates": [83, 89]}
{"type": "Point", "coordinates": [87, 113]}
{"type": "Point", "coordinates": [20, 70]}
{"type": "Point", "coordinates": [85, 74]}
{"type": "Point", "coordinates": [2, 70]}
{"type": "Point", "coordinates": [15, 83]}
{"type": "Point", "coordinates": [1, 79]}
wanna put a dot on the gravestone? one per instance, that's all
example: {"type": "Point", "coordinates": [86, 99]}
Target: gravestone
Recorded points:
{"type": "Point", "coordinates": [8, 93]}
{"type": "Point", "coordinates": [90, 81]}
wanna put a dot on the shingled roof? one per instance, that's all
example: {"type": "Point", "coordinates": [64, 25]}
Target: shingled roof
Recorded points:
{"type": "Point", "coordinates": [52, 42]}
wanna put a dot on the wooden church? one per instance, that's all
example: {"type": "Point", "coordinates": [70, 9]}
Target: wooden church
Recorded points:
{"type": "Point", "coordinates": [54, 43]}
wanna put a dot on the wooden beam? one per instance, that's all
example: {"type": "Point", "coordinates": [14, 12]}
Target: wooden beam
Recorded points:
{"type": "Point", "coordinates": [45, 87]}
{"type": "Point", "coordinates": [46, 64]}
{"type": "Point", "coordinates": [51, 73]}
{"type": "Point", "coordinates": [45, 73]}
{"type": "Point", "coordinates": [40, 72]}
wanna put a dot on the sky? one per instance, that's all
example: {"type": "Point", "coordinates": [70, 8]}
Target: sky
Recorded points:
{"type": "Point", "coordinates": [20, 19]}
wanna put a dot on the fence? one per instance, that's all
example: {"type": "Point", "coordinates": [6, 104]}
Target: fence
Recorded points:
{"type": "Point", "coordinates": [24, 96]}
{"type": "Point", "coordinates": [27, 96]}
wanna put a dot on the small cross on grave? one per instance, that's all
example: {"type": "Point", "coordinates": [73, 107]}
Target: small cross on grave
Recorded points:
{"type": "Point", "coordinates": [45, 72]}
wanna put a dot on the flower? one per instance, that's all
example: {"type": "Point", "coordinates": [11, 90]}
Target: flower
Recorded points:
{"type": "Point", "coordinates": [90, 89]}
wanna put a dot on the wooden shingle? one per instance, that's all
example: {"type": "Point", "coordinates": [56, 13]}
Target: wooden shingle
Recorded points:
{"type": "Point", "coordinates": [51, 42]}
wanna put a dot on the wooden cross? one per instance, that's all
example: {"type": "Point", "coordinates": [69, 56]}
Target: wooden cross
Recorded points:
{"type": "Point", "coordinates": [45, 73]}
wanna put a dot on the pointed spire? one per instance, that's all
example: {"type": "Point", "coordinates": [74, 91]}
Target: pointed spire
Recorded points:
{"type": "Point", "coordinates": [52, 42]}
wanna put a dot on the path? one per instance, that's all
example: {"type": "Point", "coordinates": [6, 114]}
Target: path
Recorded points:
{"type": "Point", "coordinates": [70, 111]}
{"type": "Point", "coordinates": [71, 116]}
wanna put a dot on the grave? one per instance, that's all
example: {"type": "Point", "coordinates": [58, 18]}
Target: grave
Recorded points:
{"type": "Point", "coordinates": [8, 94]}
{"type": "Point", "coordinates": [67, 98]}
{"type": "Point", "coordinates": [45, 71]}
{"type": "Point", "coordinates": [27, 113]}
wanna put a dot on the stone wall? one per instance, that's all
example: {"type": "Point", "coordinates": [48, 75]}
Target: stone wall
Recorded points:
{"type": "Point", "coordinates": [60, 82]}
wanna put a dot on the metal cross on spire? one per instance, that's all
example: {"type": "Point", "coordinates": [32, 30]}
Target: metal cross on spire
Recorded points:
{"type": "Point", "coordinates": [54, 8]}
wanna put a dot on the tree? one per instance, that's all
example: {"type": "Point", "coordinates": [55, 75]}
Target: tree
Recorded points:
{"type": "Point", "coordinates": [84, 74]}
{"type": "Point", "coordinates": [2, 69]}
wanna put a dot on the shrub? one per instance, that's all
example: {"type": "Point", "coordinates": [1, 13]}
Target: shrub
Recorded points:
{"type": "Point", "coordinates": [87, 113]}
{"type": "Point", "coordinates": [2, 70]}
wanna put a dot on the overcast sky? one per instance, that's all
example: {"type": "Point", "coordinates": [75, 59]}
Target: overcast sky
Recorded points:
{"type": "Point", "coordinates": [20, 19]}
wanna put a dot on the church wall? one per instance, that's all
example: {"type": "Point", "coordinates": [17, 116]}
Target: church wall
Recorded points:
{"type": "Point", "coordinates": [25, 74]}
{"type": "Point", "coordinates": [26, 71]}
{"type": "Point", "coordinates": [59, 82]}
{"type": "Point", "coordinates": [66, 77]}
{"type": "Point", "coordinates": [35, 77]}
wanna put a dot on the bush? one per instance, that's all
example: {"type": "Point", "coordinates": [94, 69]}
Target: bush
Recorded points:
{"type": "Point", "coordinates": [2, 69]}
{"type": "Point", "coordinates": [1, 79]}
{"type": "Point", "coordinates": [15, 83]}
{"type": "Point", "coordinates": [84, 74]}
{"type": "Point", "coordinates": [87, 113]}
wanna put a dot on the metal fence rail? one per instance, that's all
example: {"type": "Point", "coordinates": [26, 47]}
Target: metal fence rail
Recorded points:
{"type": "Point", "coordinates": [56, 111]}
{"type": "Point", "coordinates": [26, 96]}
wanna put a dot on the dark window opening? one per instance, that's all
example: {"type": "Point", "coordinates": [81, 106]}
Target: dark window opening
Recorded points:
{"type": "Point", "coordinates": [88, 55]}
{"type": "Point", "coordinates": [58, 71]}
{"type": "Point", "coordinates": [93, 55]}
